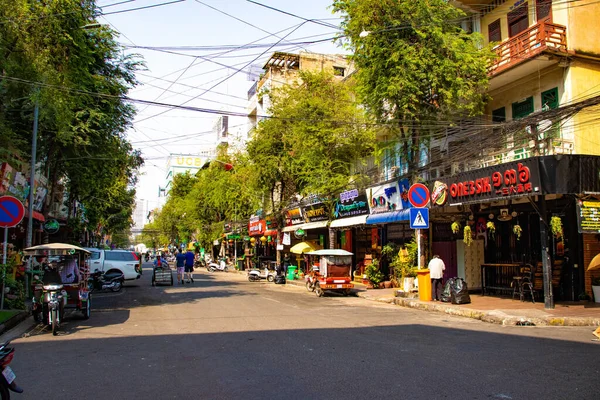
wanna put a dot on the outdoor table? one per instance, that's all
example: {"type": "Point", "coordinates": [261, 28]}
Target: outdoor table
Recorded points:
{"type": "Point", "coordinates": [498, 276]}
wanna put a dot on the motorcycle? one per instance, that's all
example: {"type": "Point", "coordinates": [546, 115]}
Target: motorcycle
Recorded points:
{"type": "Point", "coordinates": [106, 281]}
{"type": "Point", "coordinates": [53, 306]}
{"type": "Point", "coordinates": [257, 275]}
{"type": "Point", "coordinates": [7, 380]}
{"type": "Point", "coordinates": [221, 266]}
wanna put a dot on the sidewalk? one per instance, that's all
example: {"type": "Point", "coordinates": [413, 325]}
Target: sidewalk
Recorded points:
{"type": "Point", "coordinates": [497, 310]}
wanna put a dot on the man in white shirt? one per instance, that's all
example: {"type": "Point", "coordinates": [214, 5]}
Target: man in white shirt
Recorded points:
{"type": "Point", "coordinates": [436, 272]}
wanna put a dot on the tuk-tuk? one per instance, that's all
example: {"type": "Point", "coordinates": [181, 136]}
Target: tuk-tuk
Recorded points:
{"type": "Point", "coordinates": [333, 273]}
{"type": "Point", "coordinates": [60, 281]}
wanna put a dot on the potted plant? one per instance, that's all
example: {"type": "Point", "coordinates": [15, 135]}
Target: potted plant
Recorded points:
{"type": "Point", "coordinates": [374, 276]}
{"type": "Point", "coordinates": [596, 288]}
{"type": "Point", "coordinates": [404, 262]}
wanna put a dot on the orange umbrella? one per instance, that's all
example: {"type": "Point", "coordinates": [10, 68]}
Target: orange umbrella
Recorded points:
{"type": "Point", "coordinates": [595, 263]}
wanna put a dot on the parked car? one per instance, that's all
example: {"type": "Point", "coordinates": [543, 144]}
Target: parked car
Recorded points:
{"type": "Point", "coordinates": [125, 261]}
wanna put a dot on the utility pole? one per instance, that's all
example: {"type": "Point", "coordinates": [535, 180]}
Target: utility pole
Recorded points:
{"type": "Point", "coordinates": [36, 112]}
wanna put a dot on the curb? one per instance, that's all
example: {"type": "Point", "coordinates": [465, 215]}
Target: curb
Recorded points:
{"type": "Point", "coordinates": [13, 321]}
{"type": "Point", "coordinates": [491, 316]}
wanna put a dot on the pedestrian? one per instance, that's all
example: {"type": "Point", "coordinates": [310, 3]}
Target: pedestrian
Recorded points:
{"type": "Point", "coordinates": [189, 266]}
{"type": "Point", "coordinates": [180, 262]}
{"type": "Point", "coordinates": [286, 263]}
{"type": "Point", "coordinates": [436, 273]}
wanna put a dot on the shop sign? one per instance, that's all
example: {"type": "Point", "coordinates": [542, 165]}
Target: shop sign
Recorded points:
{"type": "Point", "coordinates": [51, 226]}
{"type": "Point", "coordinates": [351, 206]}
{"type": "Point", "coordinates": [588, 216]}
{"type": "Point", "coordinates": [256, 226]}
{"type": "Point", "coordinates": [19, 187]}
{"type": "Point", "coordinates": [384, 198]}
{"type": "Point", "coordinates": [271, 222]}
{"type": "Point", "coordinates": [294, 216]}
{"type": "Point", "coordinates": [493, 183]}
{"type": "Point", "coordinates": [316, 212]}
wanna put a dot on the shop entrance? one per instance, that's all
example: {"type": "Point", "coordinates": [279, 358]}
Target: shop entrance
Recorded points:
{"type": "Point", "coordinates": [447, 252]}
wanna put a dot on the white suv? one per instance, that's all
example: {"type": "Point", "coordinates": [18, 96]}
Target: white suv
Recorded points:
{"type": "Point", "coordinates": [124, 261]}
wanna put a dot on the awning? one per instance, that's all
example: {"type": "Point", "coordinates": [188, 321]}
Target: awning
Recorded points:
{"type": "Point", "coordinates": [307, 226]}
{"type": "Point", "coordinates": [339, 223]}
{"type": "Point", "coordinates": [36, 215]}
{"type": "Point", "coordinates": [386, 218]}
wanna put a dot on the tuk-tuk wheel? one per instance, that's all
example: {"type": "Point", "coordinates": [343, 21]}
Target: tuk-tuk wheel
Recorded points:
{"type": "Point", "coordinates": [270, 278]}
{"type": "Point", "coordinates": [347, 292]}
{"type": "Point", "coordinates": [153, 282]}
{"type": "Point", "coordinates": [171, 279]}
{"type": "Point", "coordinates": [87, 308]}
{"type": "Point", "coordinates": [319, 292]}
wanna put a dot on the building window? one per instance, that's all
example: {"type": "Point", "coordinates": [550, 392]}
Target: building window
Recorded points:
{"type": "Point", "coordinates": [339, 71]}
{"type": "Point", "coordinates": [518, 20]}
{"type": "Point", "coordinates": [499, 115]}
{"type": "Point", "coordinates": [522, 108]}
{"type": "Point", "coordinates": [543, 10]}
{"type": "Point", "coordinates": [550, 99]}
{"type": "Point", "coordinates": [494, 33]}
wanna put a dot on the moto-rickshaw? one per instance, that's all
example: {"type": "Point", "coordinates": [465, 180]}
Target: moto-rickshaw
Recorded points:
{"type": "Point", "coordinates": [332, 273]}
{"type": "Point", "coordinates": [60, 281]}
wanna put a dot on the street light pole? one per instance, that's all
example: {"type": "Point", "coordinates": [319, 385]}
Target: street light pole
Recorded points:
{"type": "Point", "coordinates": [29, 241]}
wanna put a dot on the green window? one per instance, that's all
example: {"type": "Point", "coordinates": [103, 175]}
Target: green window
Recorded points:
{"type": "Point", "coordinates": [550, 99]}
{"type": "Point", "coordinates": [522, 108]}
{"type": "Point", "coordinates": [499, 115]}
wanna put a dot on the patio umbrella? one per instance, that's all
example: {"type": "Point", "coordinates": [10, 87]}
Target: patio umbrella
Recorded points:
{"type": "Point", "coordinates": [304, 247]}
{"type": "Point", "coordinates": [595, 263]}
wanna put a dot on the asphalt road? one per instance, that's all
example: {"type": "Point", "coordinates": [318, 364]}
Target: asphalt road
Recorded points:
{"type": "Point", "coordinates": [226, 338]}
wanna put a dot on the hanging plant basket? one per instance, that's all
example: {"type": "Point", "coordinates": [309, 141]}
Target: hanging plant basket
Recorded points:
{"type": "Point", "coordinates": [517, 230]}
{"type": "Point", "coordinates": [467, 237]}
{"type": "Point", "coordinates": [557, 227]}
{"type": "Point", "coordinates": [455, 227]}
{"type": "Point", "coordinates": [491, 229]}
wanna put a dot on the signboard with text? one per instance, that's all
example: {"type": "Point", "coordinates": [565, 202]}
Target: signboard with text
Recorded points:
{"type": "Point", "coordinates": [588, 216]}
{"type": "Point", "coordinates": [351, 204]}
{"type": "Point", "coordinates": [384, 198]}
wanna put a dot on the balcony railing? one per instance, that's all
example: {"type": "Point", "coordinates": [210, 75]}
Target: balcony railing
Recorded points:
{"type": "Point", "coordinates": [252, 90]}
{"type": "Point", "coordinates": [528, 44]}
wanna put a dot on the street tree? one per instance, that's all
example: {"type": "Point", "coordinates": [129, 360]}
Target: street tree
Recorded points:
{"type": "Point", "coordinates": [311, 144]}
{"type": "Point", "coordinates": [417, 68]}
{"type": "Point", "coordinates": [79, 78]}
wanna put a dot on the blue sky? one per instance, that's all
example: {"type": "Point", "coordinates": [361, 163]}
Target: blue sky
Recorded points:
{"type": "Point", "coordinates": [176, 79]}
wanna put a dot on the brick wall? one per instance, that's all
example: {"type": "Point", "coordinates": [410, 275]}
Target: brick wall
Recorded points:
{"type": "Point", "coordinates": [591, 247]}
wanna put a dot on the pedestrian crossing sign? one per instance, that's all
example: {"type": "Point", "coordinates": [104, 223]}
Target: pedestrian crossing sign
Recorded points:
{"type": "Point", "coordinates": [419, 218]}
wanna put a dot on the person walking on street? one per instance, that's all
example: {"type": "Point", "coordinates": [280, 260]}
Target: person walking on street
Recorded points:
{"type": "Point", "coordinates": [436, 272]}
{"type": "Point", "coordinates": [180, 260]}
{"type": "Point", "coordinates": [189, 266]}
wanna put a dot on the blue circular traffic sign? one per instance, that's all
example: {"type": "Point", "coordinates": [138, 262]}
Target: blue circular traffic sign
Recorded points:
{"type": "Point", "coordinates": [11, 211]}
{"type": "Point", "coordinates": [418, 195]}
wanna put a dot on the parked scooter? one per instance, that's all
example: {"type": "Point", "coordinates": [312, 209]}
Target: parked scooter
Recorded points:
{"type": "Point", "coordinates": [106, 281]}
{"type": "Point", "coordinates": [257, 275]}
{"type": "Point", "coordinates": [221, 266]}
{"type": "Point", "coordinates": [7, 379]}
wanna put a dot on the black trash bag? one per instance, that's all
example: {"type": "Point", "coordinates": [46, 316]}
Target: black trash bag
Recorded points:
{"type": "Point", "coordinates": [280, 279]}
{"type": "Point", "coordinates": [459, 292]}
{"type": "Point", "coordinates": [447, 292]}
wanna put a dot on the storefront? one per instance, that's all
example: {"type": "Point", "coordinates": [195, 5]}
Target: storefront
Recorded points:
{"type": "Point", "coordinates": [489, 223]}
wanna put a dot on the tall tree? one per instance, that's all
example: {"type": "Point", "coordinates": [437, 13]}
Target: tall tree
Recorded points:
{"type": "Point", "coordinates": [79, 77]}
{"type": "Point", "coordinates": [316, 134]}
{"type": "Point", "coordinates": [417, 68]}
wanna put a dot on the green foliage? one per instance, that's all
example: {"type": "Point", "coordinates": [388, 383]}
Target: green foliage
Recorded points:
{"type": "Point", "coordinates": [79, 78]}
{"type": "Point", "coordinates": [415, 66]}
{"type": "Point", "coordinates": [373, 274]}
{"type": "Point", "coordinates": [310, 146]}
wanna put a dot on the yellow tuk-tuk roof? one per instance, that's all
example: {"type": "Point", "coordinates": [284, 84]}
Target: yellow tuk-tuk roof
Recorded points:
{"type": "Point", "coordinates": [53, 249]}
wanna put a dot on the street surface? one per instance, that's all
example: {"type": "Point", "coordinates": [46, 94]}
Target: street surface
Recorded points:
{"type": "Point", "coordinates": [226, 338]}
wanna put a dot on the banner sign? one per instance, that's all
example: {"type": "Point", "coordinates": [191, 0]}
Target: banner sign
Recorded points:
{"type": "Point", "coordinates": [256, 226]}
{"type": "Point", "coordinates": [294, 216]}
{"type": "Point", "coordinates": [316, 212]}
{"type": "Point", "coordinates": [493, 183]}
{"type": "Point", "coordinates": [384, 198]}
{"type": "Point", "coordinates": [588, 216]}
{"type": "Point", "coordinates": [351, 206]}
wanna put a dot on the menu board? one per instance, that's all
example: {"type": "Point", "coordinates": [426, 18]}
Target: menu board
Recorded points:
{"type": "Point", "coordinates": [589, 216]}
